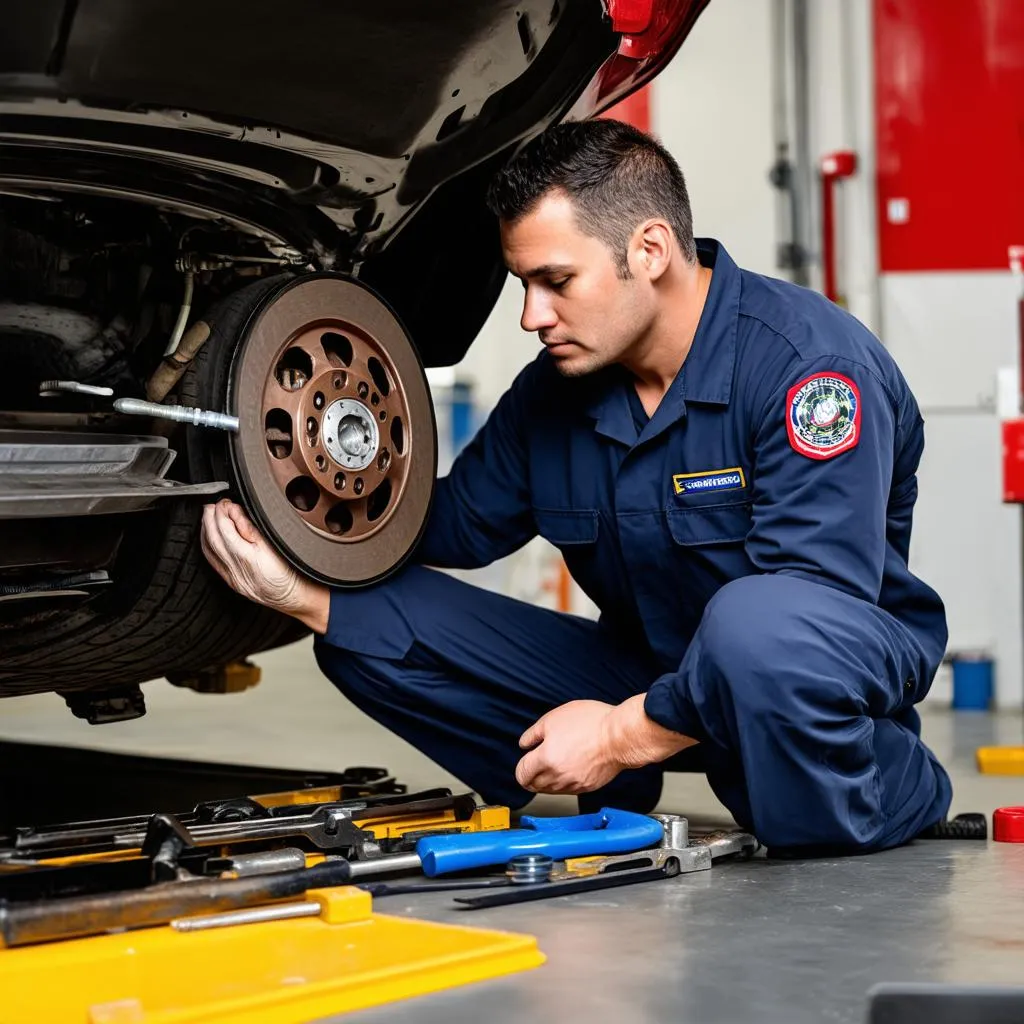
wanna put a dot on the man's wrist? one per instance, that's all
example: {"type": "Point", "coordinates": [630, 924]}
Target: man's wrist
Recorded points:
{"type": "Point", "coordinates": [312, 606]}
{"type": "Point", "coordinates": [636, 740]}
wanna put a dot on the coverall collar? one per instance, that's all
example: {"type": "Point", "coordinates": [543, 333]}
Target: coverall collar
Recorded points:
{"type": "Point", "coordinates": [706, 375]}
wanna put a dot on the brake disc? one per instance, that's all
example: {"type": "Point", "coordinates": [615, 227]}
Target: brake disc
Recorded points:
{"type": "Point", "coordinates": [337, 448]}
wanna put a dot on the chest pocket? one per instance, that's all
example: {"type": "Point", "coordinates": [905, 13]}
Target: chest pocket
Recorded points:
{"type": "Point", "coordinates": [710, 524]}
{"type": "Point", "coordinates": [567, 527]}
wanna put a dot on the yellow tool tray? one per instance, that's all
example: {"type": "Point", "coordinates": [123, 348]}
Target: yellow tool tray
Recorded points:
{"type": "Point", "coordinates": [1001, 760]}
{"type": "Point", "coordinates": [276, 972]}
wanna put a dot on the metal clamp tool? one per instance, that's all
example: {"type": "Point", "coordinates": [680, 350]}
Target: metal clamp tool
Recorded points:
{"type": "Point", "coordinates": [676, 854]}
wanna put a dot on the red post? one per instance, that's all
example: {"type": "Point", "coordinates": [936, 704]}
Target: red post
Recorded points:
{"type": "Point", "coordinates": [834, 167]}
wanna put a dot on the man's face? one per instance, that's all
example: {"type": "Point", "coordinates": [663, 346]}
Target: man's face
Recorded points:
{"type": "Point", "coordinates": [586, 315]}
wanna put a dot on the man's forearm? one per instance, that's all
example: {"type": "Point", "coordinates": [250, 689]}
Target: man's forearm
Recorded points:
{"type": "Point", "coordinates": [638, 740]}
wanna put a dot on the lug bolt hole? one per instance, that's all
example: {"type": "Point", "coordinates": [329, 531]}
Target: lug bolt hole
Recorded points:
{"type": "Point", "coordinates": [339, 381]}
{"type": "Point", "coordinates": [384, 460]}
{"type": "Point", "coordinates": [358, 485]}
{"type": "Point", "coordinates": [339, 481]}
{"type": "Point", "coordinates": [321, 463]}
{"type": "Point", "coordinates": [318, 400]}
{"type": "Point", "coordinates": [383, 415]}
{"type": "Point", "coordinates": [311, 427]}
{"type": "Point", "coordinates": [363, 389]}
{"type": "Point", "coordinates": [375, 399]}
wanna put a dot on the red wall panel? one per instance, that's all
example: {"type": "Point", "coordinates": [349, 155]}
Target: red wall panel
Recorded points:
{"type": "Point", "coordinates": [949, 93]}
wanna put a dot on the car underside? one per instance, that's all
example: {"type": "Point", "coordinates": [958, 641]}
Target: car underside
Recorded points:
{"type": "Point", "coordinates": [273, 214]}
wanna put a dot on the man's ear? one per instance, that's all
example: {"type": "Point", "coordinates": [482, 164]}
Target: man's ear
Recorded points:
{"type": "Point", "coordinates": [653, 247]}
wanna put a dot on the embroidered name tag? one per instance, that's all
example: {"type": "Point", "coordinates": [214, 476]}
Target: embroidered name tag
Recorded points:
{"type": "Point", "coordinates": [712, 480]}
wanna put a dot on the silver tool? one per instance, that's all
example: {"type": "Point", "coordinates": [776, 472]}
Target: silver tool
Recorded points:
{"type": "Point", "coordinates": [177, 413]}
{"type": "Point", "coordinates": [677, 854]}
{"type": "Point", "coordinates": [288, 859]}
{"type": "Point", "coordinates": [286, 912]}
{"type": "Point", "coordinates": [674, 850]}
{"type": "Point", "coordinates": [689, 853]}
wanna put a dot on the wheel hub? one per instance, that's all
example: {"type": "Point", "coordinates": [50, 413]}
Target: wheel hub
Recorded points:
{"type": "Point", "coordinates": [351, 436]}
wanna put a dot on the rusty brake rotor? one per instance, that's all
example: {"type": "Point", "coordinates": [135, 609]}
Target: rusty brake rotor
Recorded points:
{"type": "Point", "coordinates": [337, 447]}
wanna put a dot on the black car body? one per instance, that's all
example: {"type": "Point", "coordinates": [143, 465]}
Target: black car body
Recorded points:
{"type": "Point", "coordinates": [168, 167]}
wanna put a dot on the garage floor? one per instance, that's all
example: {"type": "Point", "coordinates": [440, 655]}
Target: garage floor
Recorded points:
{"type": "Point", "coordinates": [762, 941]}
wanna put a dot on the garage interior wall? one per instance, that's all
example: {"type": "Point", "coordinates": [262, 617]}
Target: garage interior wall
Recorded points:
{"type": "Point", "coordinates": [949, 82]}
{"type": "Point", "coordinates": [950, 329]}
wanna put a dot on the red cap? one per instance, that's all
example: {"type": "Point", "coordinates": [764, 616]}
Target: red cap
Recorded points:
{"type": "Point", "coordinates": [1008, 825]}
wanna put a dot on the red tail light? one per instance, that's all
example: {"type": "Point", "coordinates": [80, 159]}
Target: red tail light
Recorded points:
{"type": "Point", "coordinates": [652, 32]}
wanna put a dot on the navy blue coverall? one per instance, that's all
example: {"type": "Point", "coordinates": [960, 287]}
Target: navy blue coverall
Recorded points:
{"type": "Point", "coordinates": [747, 547]}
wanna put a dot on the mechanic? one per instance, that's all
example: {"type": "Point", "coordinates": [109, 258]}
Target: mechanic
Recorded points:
{"type": "Point", "coordinates": [727, 463]}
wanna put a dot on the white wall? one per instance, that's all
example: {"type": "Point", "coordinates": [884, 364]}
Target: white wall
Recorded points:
{"type": "Point", "coordinates": [951, 333]}
{"type": "Point", "coordinates": [712, 109]}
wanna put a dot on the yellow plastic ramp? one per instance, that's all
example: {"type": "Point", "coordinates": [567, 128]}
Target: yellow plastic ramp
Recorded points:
{"type": "Point", "coordinates": [276, 972]}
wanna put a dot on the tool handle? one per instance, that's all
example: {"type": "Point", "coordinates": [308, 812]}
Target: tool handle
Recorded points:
{"type": "Point", "coordinates": [608, 831]}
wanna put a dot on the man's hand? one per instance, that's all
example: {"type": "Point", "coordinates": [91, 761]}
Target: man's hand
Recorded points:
{"type": "Point", "coordinates": [581, 746]}
{"type": "Point", "coordinates": [252, 568]}
{"type": "Point", "coordinates": [572, 750]}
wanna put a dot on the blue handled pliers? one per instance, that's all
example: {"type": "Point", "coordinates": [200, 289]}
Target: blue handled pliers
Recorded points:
{"type": "Point", "coordinates": [584, 835]}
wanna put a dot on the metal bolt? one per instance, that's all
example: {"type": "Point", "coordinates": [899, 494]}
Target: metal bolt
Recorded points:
{"type": "Point", "coordinates": [677, 831]}
{"type": "Point", "coordinates": [311, 425]}
{"type": "Point", "coordinates": [358, 485]}
{"type": "Point", "coordinates": [363, 389]}
{"type": "Point", "coordinates": [318, 400]}
{"type": "Point", "coordinates": [339, 481]}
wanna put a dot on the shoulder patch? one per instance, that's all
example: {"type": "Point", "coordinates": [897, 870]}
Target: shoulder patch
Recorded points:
{"type": "Point", "coordinates": [823, 415]}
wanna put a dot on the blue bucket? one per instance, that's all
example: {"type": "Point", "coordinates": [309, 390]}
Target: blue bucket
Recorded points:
{"type": "Point", "coordinates": [972, 682]}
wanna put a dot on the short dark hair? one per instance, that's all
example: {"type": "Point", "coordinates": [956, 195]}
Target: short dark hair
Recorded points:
{"type": "Point", "coordinates": [616, 175]}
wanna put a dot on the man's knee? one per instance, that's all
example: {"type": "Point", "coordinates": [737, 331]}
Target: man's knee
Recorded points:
{"type": "Point", "coordinates": [746, 635]}
{"type": "Point", "coordinates": [760, 642]}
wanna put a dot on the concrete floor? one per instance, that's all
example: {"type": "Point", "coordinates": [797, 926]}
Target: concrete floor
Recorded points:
{"type": "Point", "coordinates": [764, 941]}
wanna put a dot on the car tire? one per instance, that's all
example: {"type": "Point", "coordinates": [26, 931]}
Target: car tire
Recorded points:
{"type": "Point", "coordinates": [182, 620]}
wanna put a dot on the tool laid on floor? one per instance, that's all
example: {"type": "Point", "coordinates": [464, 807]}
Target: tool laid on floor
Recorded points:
{"type": "Point", "coordinates": [963, 826]}
{"type": "Point", "coordinates": [607, 831]}
{"type": "Point", "coordinates": [224, 821]}
{"type": "Point", "coordinates": [539, 878]}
